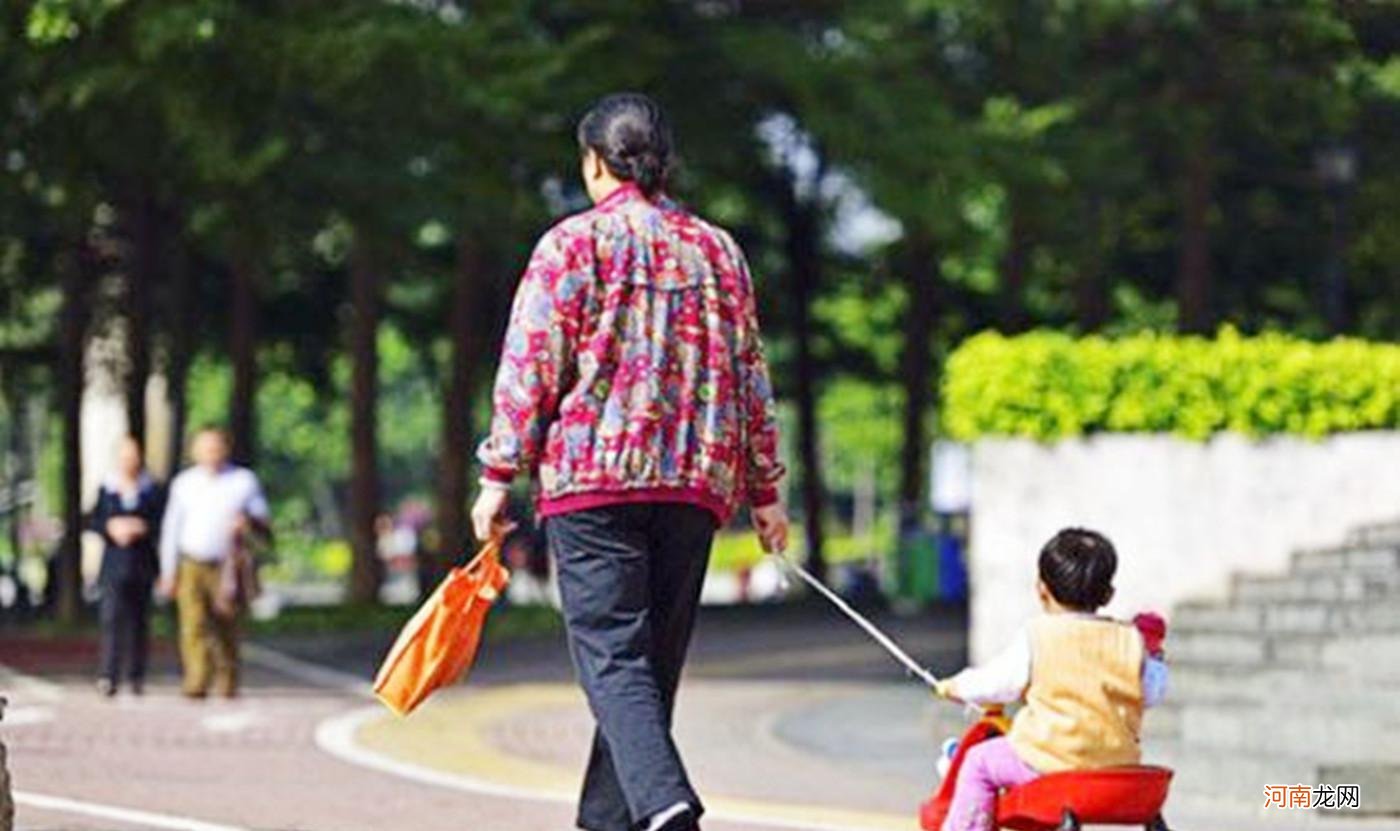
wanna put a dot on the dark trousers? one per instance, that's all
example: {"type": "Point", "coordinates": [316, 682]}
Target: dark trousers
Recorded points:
{"type": "Point", "coordinates": [125, 616]}
{"type": "Point", "coordinates": [629, 578]}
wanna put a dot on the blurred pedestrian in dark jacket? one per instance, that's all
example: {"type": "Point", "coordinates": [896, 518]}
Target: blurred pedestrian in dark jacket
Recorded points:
{"type": "Point", "coordinates": [127, 515]}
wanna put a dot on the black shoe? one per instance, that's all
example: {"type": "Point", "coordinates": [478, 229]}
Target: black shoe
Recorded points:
{"type": "Point", "coordinates": [137, 686]}
{"type": "Point", "coordinates": [106, 687]}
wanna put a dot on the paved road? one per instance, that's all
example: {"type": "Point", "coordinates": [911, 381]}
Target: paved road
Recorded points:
{"type": "Point", "coordinates": [250, 764]}
{"type": "Point", "coordinates": [81, 762]}
{"type": "Point", "coordinates": [788, 719]}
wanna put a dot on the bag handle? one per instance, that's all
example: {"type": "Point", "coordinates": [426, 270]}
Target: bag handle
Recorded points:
{"type": "Point", "coordinates": [490, 551]}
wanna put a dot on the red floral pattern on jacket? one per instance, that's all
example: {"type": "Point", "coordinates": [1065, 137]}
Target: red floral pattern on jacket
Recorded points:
{"type": "Point", "coordinates": [632, 362]}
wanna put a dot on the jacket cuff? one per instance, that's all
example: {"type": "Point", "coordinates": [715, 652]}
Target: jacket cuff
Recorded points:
{"type": "Point", "coordinates": [499, 475]}
{"type": "Point", "coordinates": [763, 497]}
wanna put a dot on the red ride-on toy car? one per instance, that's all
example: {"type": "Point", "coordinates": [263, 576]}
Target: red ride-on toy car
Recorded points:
{"type": "Point", "coordinates": [1059, 801]}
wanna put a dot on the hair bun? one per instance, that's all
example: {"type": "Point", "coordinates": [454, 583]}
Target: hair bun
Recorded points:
{"type": "Point", "coordinates": [631, 135]}
{"type": "Point", "coordinates": [648, 171]}
{"type": "Point", "coordinates": [629, 138]}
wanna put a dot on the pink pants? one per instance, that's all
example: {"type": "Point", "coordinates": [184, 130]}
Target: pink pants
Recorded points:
{"type": "Point", "coordinates": [988, 767]}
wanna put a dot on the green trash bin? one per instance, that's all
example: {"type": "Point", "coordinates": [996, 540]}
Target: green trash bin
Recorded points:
{"type": "Point", "coordinates": [916, 570]}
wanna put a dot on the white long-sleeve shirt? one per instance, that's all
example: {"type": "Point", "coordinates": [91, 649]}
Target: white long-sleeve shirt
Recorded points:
{"type": "Point", "coordinates": [201, 512]}
{"type": "Point", "coordinates": [1005, 677]}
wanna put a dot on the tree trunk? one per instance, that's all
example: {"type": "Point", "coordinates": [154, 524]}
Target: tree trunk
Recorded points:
{"type": "Point", "coordinates": [1090, 302]}
{"type": "Point", "coordinates": [455, 459]}
{"type": "Point", "coordinates": [177, 368]}
{"type": "Point", "coordinates": [916, 373]}
{"type": "Point", "coordinates": [243, 354]}
{"type": "Point", "coordinates": [14, 470]}
{"type": "Point", "coordinates": [1335, 302]}
{"type": "Point", "coordinates": [1193, 283]}
{"type": "Point", "coordinates": [140, 277]}
{"type": "Point", "coordinates": [366, 570]}
{"type": "Point", "coordinates": [1013, 269]}
{"type": "Point", "coordinates": [804, 260]}
{"type": "Point", "coordinates": [73, 323]}
{"type": "Point", "coordinates": [1090, 311]}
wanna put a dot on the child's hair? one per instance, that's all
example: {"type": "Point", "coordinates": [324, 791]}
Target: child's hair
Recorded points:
{"type": "Point", "coordinates": [1077, 566]}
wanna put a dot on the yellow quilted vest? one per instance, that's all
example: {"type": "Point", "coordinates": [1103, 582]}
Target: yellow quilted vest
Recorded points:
{"type": "Point", "coordinates": [1084, 702]}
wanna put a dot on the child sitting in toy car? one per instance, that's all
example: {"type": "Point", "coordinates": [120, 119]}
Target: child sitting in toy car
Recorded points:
{"type": "Point", "coordinates": [1085, 680]}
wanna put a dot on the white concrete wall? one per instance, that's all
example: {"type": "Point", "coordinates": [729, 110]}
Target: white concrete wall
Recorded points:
{"type": "Point", "coordinates": [1183, 515]}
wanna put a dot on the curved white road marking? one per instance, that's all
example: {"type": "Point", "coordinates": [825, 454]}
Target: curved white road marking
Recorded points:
{"type": "Point", "coordinates": [307, 671]}
{"type": "Point", "coordinates": [336, 736]}
{"type": "Point", "coordinates": [34, 714]}
{"type": "Point", "coordinates": [129, 816]}
{"type": "Point", "coordinates": [28, 687]}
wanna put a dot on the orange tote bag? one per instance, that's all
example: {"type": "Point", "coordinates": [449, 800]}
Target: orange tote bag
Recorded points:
{"type": "Point", "coordinates": [439, 643]}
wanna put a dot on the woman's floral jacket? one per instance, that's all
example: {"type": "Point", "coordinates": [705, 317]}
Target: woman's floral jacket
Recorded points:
{"type": "Point", "coordinates": [632, 368]}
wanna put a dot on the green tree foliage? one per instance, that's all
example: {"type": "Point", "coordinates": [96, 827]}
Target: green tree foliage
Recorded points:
{"type": "Point", "coordinates": [304, 429]}
{"type": "Point", "coordinates": [207, 174]}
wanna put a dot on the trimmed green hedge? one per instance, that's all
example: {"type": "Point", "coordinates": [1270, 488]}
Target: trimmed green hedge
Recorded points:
{"type": "Point", "coordinates": [1047, 385]}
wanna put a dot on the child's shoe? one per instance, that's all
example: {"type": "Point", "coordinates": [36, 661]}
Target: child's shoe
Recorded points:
{"type": "Point", "coordinates": [945, 757]}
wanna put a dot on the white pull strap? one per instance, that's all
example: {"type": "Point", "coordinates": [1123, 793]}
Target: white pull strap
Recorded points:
{"type": "Point", "coordinates": [860, 620]}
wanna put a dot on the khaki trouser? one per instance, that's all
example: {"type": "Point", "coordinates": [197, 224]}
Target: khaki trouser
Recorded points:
{"type": "Point", "coordinates": [208, 641]}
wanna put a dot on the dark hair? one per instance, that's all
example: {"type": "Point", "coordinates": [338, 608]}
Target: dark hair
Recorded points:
{"type": "Point", "coordinates": [213, 427]}
{"type": "Point", "coordinates": [630, 133]}
{"type": "Point", "coordinates": [1077, 566]}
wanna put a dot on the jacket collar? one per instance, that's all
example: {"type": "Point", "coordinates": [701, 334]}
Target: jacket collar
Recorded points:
{"type": "Point", "coordinates": [625, 192]}
{"type": "Point", "coordinates": [114, 483]}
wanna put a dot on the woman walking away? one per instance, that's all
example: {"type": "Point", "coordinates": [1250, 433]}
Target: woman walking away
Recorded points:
{"type": "Point", "coordinates": [632, 385]}
{"type": "Point", "coordinates": [126, 514]}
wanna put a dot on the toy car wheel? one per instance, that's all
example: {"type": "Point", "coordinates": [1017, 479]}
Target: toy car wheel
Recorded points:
{"type": "Point", "coordinates": [1157, 824]}
{"type": "Point", "coordinates": [1068, 821]}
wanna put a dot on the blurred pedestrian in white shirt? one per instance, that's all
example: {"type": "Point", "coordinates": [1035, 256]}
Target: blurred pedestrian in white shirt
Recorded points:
{"type": "Point", "coordinates": [211, 506]}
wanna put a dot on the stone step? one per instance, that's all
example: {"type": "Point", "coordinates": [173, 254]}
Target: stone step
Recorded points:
{"type": "Point", "coordinates": [1370, 658]}
{"type": "Point", "coordinates": [1245, 650]}
{"type": "Point", "coordinates": [1233, 777]}
{"type": "Point", "coordinates": [1373, 657]}
{"type": "Point", "coordinates": [1163, 722]}
{"type": "Point", "coordinates": [1328, 586]}
{"type": "Point", "coordinates": [1293, 680]}
{"type": "Point", "coordinates": [1298, 687]}
{"type": "Point", "coordinates": [1237, 779]}
{"type": "Point", "coordinates": [1208, 682]}
{"type": "Point", "coordinates": [1253, 650]}
{"type": "Point", "coordinates": [1365, 558]}
{"type": "Point", "coordinates": [1379, 784]}
{"type": "Point", "coordinates": [1375, 533]}
{"type": "Point", "coordinates": [1330, 732]}
{"type": "Point", "coordinates": [1309, 617]}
